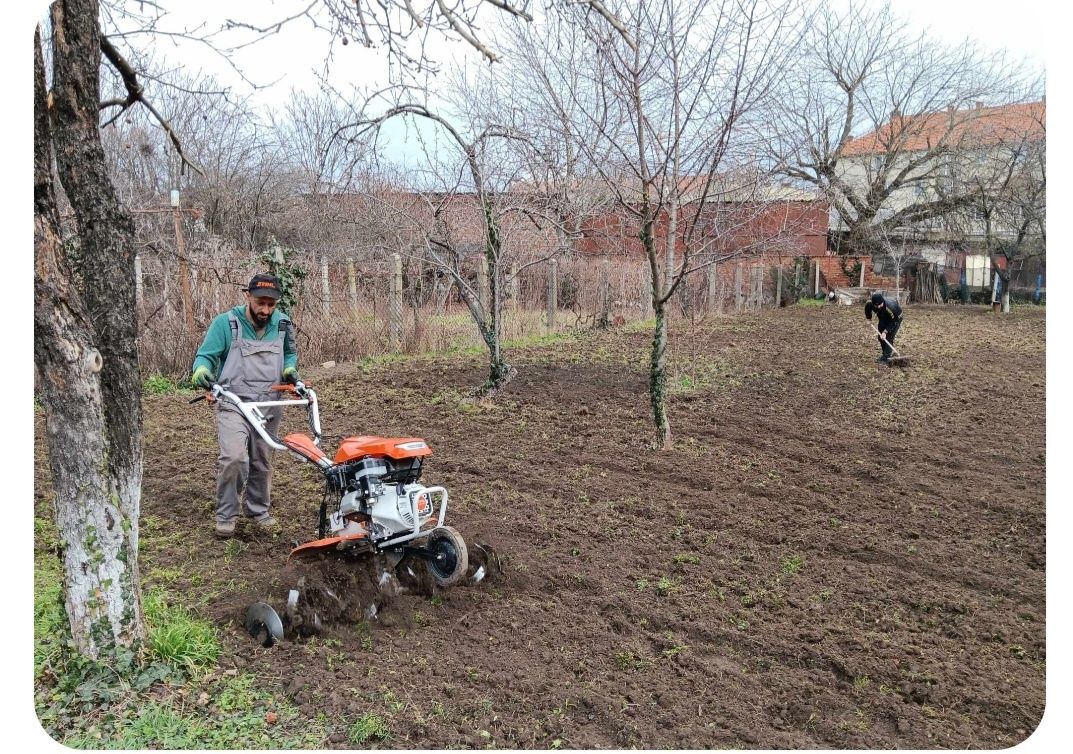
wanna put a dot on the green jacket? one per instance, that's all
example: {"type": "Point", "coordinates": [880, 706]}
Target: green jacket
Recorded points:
{"type": "Point", "coordinates": [217, 341]}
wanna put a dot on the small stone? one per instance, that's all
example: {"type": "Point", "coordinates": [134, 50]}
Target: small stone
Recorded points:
{"type": "Point", "coordinates": [328, 364]}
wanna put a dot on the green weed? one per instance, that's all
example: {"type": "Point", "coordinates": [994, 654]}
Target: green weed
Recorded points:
{"type": "Point", "coordinates": [159, 384]}
{"type": "Point", "coordinates": [665, 586]}
{"type": "Point", "coordinates": [233, 548]}
{"type": "Point", "coordinates": [237, 694]}
{"type": "Point", "coordinates": [792, 564]}
{"type": "Point", "coordinates": [627, 660]}
{"type": "Point", "coordinates": [368, 727]}
{"type": "Point", "coordinates": [177, 637]}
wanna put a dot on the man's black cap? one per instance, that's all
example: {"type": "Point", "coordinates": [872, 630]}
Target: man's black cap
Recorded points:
{"type": "Point", "coordinates": [264, 285]}
{"type": "Point", "coordinates": [877, 299]}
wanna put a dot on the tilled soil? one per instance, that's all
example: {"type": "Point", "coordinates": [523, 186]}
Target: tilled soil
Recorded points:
{"type": "Point", "coordinates": [835, 554]}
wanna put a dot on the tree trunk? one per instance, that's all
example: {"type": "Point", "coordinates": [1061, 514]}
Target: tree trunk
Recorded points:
{"type": "Point", "coordinates": [657, 379]}
{"type": "Point", "coordinates": [499, 371]}
{"type": "Point", "coordinates": [657, 373]}
{"type": "Point", "coordinates": [84, 346]}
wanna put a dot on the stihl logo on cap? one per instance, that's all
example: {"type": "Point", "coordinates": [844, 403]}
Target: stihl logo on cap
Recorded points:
{"type": "Point", "coordinates": [265, 284]}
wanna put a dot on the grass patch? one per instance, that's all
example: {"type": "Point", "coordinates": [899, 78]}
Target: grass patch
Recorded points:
{"type": "Point", "coordinates": [384, 359]}
{"type": "Point", "coordinates": [178, 638]}
{"type": "Point", "coordinates": [159, 384]}
{"type": "Point", "coordinates": [701, 374]}
{"type": "Point", "coordinates": [810, 302]}
{"type": "Point", "coordinates": [368, 727]}
{"type": "Point", "coordinates": [240, 718]}
{"type": "Point", "coordinates": [641, 325]}
{"type": "Point", "coordinates": [531, 341]}
{"type": "Point", "coordinates": [51, 628]}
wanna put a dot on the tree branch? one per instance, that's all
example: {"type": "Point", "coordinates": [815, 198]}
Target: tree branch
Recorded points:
{"type": "Point", "coordinates": [135, 93]}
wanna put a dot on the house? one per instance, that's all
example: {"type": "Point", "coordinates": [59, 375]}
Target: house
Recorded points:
{"type": "Point", "coordinates": [968, 181]}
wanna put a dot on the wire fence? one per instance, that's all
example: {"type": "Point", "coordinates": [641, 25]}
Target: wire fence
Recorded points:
{"type": "Point", "coordinates": [372, 302]}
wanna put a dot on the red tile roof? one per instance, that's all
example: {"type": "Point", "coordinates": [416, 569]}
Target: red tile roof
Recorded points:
{"type": "Point", "coordinates": [979, 126]}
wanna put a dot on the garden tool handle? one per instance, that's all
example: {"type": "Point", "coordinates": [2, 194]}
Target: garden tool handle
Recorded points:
{"type": "Point", "coordinates": [209, 395]}
{"type": "Point", "coordinates": [287, 387]}
{"type": "Point", "coordinates": [884, 339]}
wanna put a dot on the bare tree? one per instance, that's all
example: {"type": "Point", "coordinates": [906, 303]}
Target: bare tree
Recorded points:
{"type": "Point", "coordinates": [670, 110]}
{"type": "Point", "coordinates": [1003, 170]}
{"type": "Point", "coordinates": [869, 113]}
{"type": "Point", "coordinates": [567, 194]}
{"type": "Point", "coordinates": [477, 148]}
{"type": "Point", "coordinates": [402, 26]}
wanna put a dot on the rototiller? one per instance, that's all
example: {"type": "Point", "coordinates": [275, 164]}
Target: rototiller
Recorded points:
{"type": "Point", "coordinates": [373, 503]}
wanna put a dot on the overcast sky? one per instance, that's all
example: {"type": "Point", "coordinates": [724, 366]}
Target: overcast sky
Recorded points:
{"type": "Point", "coordinates": [295, 55]}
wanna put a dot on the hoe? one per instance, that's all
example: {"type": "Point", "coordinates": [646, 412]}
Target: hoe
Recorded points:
{"type": "Point", "coordinates": [897, 360]}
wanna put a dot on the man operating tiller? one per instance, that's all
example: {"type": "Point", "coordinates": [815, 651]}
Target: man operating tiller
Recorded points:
{"type": "Point", "coordinates": [248, 350]}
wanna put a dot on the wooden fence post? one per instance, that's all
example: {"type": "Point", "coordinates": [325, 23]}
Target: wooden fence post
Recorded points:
{"type": "Point", "coordinates": [553, 293]}
{"type": "Point", "coordinates": [737, 288]}
{"type": "Point", "coordinates": [184, 269]}
{"type": "Point", "coordinates": [514, 290]}
{"type": "Point", "coordinates": [325, 291]}
{"type": "Point", "coordinates": [861, 283]}
{"type": "Point", "coordinates": [712, 291]}
{"type": "Point", "coordinates": [816, 289]}
{"type": "Point", "coordinates": [352, 278]}
{"type": "Point", "coordinates": [646, 291]}
{"type": "Point", "coordinates": [482, 284]}
{"type": "Point", "coordinates": [395, 302]}
{"type": "Point", "coordinates": [778, 286]}
{"type": "Point", "coordinates": [605, 293]}
{"type": "Point", "coordinates": [139, 291]}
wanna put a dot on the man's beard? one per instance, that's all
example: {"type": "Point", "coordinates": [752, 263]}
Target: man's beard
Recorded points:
{"type": "Point", "coordinates": [259, 320]}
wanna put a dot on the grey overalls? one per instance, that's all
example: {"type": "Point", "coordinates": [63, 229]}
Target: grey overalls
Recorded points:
{"type": "Point", "coordinates": [250, 368]}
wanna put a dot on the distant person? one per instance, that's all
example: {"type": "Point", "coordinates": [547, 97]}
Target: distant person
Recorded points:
{"type": "Point", "coordinates": [247, 350]}
{"type": "Point", "coordinates": [888, 319]}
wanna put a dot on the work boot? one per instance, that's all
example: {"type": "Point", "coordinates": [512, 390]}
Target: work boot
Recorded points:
{"type": "Point", "coordinates": [881, 359]}
{"type": "Point", "coordinates": [267, 524]}
{"type": "Point", "coordinates": [225, 529]}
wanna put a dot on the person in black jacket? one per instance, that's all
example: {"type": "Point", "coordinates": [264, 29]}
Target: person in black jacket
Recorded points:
{"type": "Point", "coordinates": [888, 318]}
